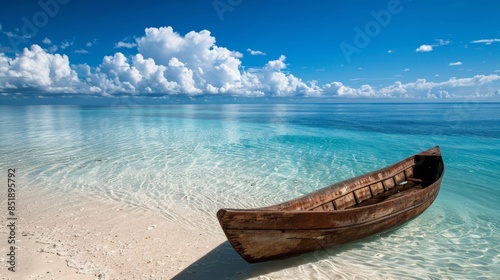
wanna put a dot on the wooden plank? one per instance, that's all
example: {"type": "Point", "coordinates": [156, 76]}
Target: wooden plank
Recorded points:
{"type": "Point", "coordinates": [377, 188]}
{"type": "Point", "coordinates": [362, 194]}
{"type": "Point", "coordinates": [328, 206]}
{"type": "Point", "coordinates": [260, 245]}
{"type": "Point", "coordinates": [409, 172]}
{"type": "Point", "coordinates": [344, 201]}
{"type": "Point", "coordinates": [324, 207]}
{"type": "Point", "coordinates": [389, 184]}
{"type": "Point", "coordinates": [316, 209]}
{"type": "Point", "coordinates": [400, 177]}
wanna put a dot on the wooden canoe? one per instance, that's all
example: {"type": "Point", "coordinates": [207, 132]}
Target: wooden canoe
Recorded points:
{"type": "Point", "coordinates": [340, 213]}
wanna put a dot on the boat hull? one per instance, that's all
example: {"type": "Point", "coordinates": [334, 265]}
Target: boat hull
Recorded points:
{"type": "Point", "coordinates": [271, 233]}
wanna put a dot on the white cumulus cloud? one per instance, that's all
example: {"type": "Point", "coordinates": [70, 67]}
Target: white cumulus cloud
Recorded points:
{"type": "Point", "coordinates": [254, 52]}
{"type": "Point", "coordinates": [276, 64]}
{"type": "Point", "coordinates": [424, 48]}
{"type": "Point", "coordinates": [169, 63]}
{"type": "Point", "coordinates": [339, 89]}
{"type": "Point", "coordinates": [477, 86]}
{"type": "Point", "coordinates": [36, 69]}
{"type": "Point", "coordinates": [195, 57]}
{"type": "Point", "coordinates": [428, 48]}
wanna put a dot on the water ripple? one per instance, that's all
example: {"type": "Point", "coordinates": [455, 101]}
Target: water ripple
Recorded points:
{"type": "Point", "coordinates": [187, 167]}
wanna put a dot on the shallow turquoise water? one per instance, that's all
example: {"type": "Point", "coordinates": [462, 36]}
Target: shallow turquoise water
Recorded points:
{"type": "Point", "coordinates": [198, 158]}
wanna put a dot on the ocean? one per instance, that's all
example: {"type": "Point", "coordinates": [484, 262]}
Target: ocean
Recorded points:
{"type": "Point", "coordinates": [187, 161]}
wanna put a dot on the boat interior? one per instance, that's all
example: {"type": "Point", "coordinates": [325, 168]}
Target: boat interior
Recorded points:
{"type": "Point", "coordinates": [410, 180]}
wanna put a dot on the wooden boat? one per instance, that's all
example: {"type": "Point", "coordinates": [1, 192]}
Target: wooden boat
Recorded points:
{"type": "Point", "coordinates": [342, 212]}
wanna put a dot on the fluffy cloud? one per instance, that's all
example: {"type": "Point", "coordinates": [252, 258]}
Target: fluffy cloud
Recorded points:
{"type": "Point", "coordinates": [194, 57]}
{"type": "Point", "coordinates": [254, 52]}
{"type": "Point", "coordinates": [455, 63]}
{"type": "Point", "coordinates": [479, 85]}
{"type": "Point", "coordinates": [192, 64]}
{"type": "Point", "coordinates": [424, 48]}
{"type": "Point", "coordinates": [282, 84]}
{"type": "Point", "coordinates": [395, 90]}
{"type": "Point", "coordinates": [276, 64]}
{"type": "Point", "coordinates": [428, 48]}
{"type": "Point", "coordinates": [462, 87]}
{"type": "Point", "coordinates": [51, 48]}
{"type": "Point", "coordinates": [339, 89]}
{"type": "Point", "coordinates": [36, 69]}
{"type": "Point", "coordinates": [169, 63]}
{"type": "Point", "coordinates": [166, 63]}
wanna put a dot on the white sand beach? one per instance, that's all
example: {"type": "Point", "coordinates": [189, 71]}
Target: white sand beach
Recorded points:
{"type": "Point", "coordinates": [72, 236]}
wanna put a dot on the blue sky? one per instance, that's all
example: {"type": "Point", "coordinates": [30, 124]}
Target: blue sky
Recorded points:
{"type": "Point", "coordinates": [390, 48]}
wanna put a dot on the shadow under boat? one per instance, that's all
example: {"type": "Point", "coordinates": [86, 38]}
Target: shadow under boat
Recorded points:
{"type": "Point", "coordinates": [223, 262]}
